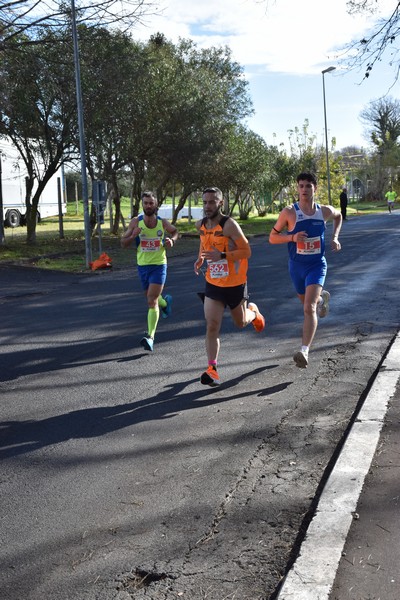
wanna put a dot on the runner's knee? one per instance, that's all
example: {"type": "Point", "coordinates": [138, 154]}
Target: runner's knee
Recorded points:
{"type": "Point", "coordinates": [213, 326]}
{"type": "Point", "coordinates": [310, 308]}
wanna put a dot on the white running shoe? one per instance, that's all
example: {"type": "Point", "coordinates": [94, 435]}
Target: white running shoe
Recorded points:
{"type": "Point", "coordinates": [323, 307]}
{"type": "Point", "coordinates": [301, 359]}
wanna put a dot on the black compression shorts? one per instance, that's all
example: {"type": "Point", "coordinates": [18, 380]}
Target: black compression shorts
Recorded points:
{"type": "Point", "coordinates": [229, 296]}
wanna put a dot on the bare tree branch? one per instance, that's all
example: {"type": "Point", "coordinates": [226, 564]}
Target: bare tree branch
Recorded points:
{"type": "Point", "coordinates": [361, 6]}
{"type": "Point", "coordinates": [380, 44]}
{"type": "Point", "coordinates": [17, 17]}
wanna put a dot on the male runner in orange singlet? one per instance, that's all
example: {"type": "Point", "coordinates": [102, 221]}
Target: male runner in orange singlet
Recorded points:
{"type": "Point", "coordinates": [226, 250]}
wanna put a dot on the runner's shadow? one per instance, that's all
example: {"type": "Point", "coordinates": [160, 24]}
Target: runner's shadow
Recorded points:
{"type": "Point", "coordinates": [27, 436]}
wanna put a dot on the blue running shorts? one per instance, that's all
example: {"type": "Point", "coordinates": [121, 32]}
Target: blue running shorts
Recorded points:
{"type": "Point", "coordinates": [152, 274]}
{"type": "Point", "coordinates": [305, 274]}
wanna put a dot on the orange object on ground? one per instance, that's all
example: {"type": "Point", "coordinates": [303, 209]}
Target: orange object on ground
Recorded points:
{"type": "Point", "coordinates": [103, 262]}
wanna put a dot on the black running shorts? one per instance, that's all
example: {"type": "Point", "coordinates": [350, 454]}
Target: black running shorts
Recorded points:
{"type": "Point", "coordinates": [229, 296]}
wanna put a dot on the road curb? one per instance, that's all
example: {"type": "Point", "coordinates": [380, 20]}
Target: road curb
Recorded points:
{"type": "Point", "coordinates": [312, 575]}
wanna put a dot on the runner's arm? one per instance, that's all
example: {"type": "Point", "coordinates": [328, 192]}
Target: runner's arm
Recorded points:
{"type": "Point", "coordinates": [172, 230]}
{"type": "Point", "coordinates": [331, 213]}
{"type": "Point", "coordinates": [200, 259]}
{"type": "Point", "coordinates": [337, 225]}
{"type": "Point", "coordinates": [130, 234]}
{"type": "Point", "coordinates": [235, 233]}
{"type": "Point", "coordinates": [278, 234]}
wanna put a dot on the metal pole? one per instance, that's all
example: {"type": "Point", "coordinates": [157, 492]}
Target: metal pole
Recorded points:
{"type": "Point", "coordinates": [85, 195]}
{"type": "Point", "coordinates": [328, 174]}
{"type": "Point", "coordinates": [60, 215]}
{"type": "Point", "coordinates": [76, 197]}
{"type": "Point", "coordinates": [2, 237]}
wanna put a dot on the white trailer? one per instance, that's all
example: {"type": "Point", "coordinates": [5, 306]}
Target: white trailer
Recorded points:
{"type": "Point", "coordinates": [12, 181]}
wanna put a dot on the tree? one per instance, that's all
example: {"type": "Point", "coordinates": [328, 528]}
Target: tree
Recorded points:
{"type": "Point", "coordinates": [378, 43]}
{"type": "Point", "coordinates": [38, 113]}
{"type": "Point", "coordinates": [238, 167]}
{"type": "Point", "coordinates": [192, 99]}
{"type": "Point", "coordinates": [302, 146]}
{"type": "Point", "coordinates": [24, 22]}
{"type": "Point", "coordinates": [279, 173]}
{"type": "Point", "coordinates": [158, 109]}
{"type": "Point", "coordinates": [382, 120]}
{"type": "Point", "coordinates": [110, 66]}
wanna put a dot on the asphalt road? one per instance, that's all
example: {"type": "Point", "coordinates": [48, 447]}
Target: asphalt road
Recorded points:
{"type": "Point", "coordinates": [122, 477]}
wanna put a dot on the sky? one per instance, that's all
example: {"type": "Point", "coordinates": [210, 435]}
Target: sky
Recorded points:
{"type": "Point", "coordinates": [283, 46]}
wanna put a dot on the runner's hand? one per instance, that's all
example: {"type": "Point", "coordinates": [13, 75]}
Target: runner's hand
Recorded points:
{"type": "Point", "coordinates": [213, 255]}
{"type": "Point", "coordinates": [197, 265]}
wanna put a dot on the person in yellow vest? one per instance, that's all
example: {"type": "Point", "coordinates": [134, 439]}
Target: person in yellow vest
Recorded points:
{"type": "Point", "coordinates": [149, 232]}
{"type": "Point", "coordinates": [391, 198]}
{"type": "Point", "coordinates": [225, 249]}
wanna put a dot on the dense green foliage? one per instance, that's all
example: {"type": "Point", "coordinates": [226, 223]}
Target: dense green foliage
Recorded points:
{"type": "Point", "coordinates": [168, 117]}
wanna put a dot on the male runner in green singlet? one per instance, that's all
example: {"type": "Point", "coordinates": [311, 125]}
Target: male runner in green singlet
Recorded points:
{"type": "Point", "coordinates": [148, 230]}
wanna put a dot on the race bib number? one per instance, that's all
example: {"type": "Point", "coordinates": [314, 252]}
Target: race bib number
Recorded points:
{"type": "Point", "coordinates": [309, 246]}
{"type": "Point", "coordinates": [218, 269]}
{"type": "Point", "coordinates": [150, 245]}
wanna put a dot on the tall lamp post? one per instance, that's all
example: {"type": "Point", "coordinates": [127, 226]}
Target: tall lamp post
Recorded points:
{"type": "Point", "coordinates": [85, 195]}
{"type": "Point", "coordinates": [328, 70]}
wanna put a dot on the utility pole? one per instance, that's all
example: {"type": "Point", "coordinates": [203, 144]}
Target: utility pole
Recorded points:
{"type": "Point", "coordinates": [82, 148]}
{"type": "Point", "coordinates": [2, 237]}
{"type": "Point", "coordinates": [328, 174]}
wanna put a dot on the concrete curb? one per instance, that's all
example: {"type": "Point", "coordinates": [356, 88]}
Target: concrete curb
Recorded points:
{"type": "Point", "coordinates": [313, 573]}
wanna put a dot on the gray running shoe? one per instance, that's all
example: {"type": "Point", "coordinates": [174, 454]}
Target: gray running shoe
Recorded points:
{"type": "Point", "coordinates": [301, 359]}
{"type": "Point", "coordinates": [323, 307]}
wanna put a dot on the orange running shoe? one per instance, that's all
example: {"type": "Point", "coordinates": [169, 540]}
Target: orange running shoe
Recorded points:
{"type": "Point", "coordinates": [259, 321]}
{"type": "Point", "coordinates": [210, 377]}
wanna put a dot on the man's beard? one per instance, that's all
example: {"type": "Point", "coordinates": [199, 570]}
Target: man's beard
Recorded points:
{"type": "Point", "coordinates": [214, 214]}
{"type": "Point", "coordinates": [149, 212]}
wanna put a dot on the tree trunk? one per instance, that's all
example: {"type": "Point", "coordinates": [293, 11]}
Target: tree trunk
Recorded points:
{"type": "Point", "coordinates": [31, 219]}
{"type": "Point", "coordinates": [117, 204]}
{"type": "Point", "coordinates": [31, 211]}
{"type": "Point", "coordinates": [180, 205]}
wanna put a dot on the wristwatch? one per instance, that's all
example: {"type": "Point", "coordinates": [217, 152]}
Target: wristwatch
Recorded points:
{"type": "Point", "coordinates": [223, 255]}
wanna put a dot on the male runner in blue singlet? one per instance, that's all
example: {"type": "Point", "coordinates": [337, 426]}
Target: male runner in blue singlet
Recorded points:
{"type": "Point", "coordinates": [302, 227]}
{"type": "Point", "coordinates": [148, 230]}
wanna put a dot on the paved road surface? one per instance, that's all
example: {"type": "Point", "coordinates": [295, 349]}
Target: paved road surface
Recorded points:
{"type": "Point", "coordinates": [119, 467]}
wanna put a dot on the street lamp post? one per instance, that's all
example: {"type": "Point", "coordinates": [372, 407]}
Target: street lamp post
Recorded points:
{"type": "Point", "coordinates": [328, 70]}
{"type": "Point", "coordinates": [85, 195]}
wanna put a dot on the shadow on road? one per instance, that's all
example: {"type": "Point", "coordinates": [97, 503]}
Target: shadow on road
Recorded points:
{"type": "Point", "coordinates": [27, 436]}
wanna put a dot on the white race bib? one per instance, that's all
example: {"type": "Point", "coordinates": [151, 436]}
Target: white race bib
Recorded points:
{"type": "Point", "coordinates": [309, 246]}
{"type": "Point", "coordinates": [150, 245]}
{"type": "Point", "coordinates": [218, 269]}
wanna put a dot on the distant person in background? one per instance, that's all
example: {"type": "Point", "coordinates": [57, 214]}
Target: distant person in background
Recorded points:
{"type": "Point", "coordinates": [343, 203]}
{"type": "Point", "coordinates": [149, 232]}
{"type": "Point", "coordinates": [390, 197]}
